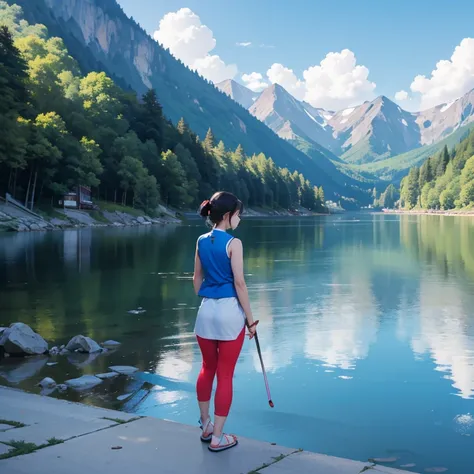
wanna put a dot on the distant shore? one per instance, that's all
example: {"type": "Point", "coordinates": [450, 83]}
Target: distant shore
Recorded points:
{"type": "Point", "coordinates": [16, 219]}
{"type": "Point", "coordinates": [428, 212]}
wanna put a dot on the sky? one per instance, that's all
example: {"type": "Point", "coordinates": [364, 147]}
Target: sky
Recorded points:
{"type": "Point", "coordinates": [333, 54]}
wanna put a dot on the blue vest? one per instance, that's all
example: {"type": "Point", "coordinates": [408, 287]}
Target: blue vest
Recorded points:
{"type": "Point", "coordinates": [218, 277]}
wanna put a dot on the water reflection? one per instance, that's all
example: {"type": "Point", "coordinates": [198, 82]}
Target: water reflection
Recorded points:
{"type": "Point", "coordinates": [363, 308]}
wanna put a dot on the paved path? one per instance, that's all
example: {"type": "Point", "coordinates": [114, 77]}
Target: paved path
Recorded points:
{"type": "Point", "coordinates": [74, 438]}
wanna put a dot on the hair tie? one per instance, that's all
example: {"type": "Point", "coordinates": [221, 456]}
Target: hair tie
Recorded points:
{"type": "Point", "coordinates": [206, 203]}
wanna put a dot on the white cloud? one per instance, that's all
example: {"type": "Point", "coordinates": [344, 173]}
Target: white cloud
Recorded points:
{"type": "Point", "coordinates": [336, 83]}
{"type": "Point", "coordinates": [450, 79]}
{"type": "Point", "coordinates": [401, 95]}
{"type": "Point", "coordinates": [279, 74]}
{"type": "Point", "coordinates": [245, 45]}
{"type": "Point", "coordinates": [254, 81]}
{"type": "Point", "coordinates": [190, 41]}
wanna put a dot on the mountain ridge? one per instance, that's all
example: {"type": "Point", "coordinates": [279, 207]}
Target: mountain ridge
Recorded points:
{"type": "Point", "coordinates": [373, 131]}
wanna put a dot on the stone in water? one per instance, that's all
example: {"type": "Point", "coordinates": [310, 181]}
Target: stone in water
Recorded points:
{"type": "Point", "coordinates": [19, 338]}
{"type": "Point", "coordinates": [83, 344]}
{"type": "Point", "coordinates": [47, 382]}
{"type": "Point", "coordinates": [84, 382]}
{"type": "Point", "coordinates": [123, 369]}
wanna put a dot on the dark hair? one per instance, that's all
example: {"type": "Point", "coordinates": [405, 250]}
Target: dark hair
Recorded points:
{"type": "Point", "coordinates": [220, 204]}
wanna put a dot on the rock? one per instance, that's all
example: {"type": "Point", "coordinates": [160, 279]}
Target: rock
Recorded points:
{"type": "Point", "coordinates": [111, 343]}
{"type": "Point", "coordinates": [1, 331]}
{"type": "Point", "coordinates": [64, 352]}
{"type": "Point", "coordinates": [20, 339]}
{"type": "Point", "coordinates": [62, 387]}
{"type": "Point", "coordinates": [34, 227]}
{"type": "Point", "coordinates": [54, 350]}
{"type": "Point", "coordinates": [141, 220]}
{"type": "Point", "coordinates": [47, 382]}
{"type": "Point", "coordinates": [123, 369]}
{"type": "Point", "coordinates": [83, 344]}
{"type": "Point", "coordinates": [84, 382]}
{"type": "Point", "coordinates": [50, 364]}
{"type": "Point", "coordinates": [107, 375]}
{"type": "Point", "coordinates": [62, 347]}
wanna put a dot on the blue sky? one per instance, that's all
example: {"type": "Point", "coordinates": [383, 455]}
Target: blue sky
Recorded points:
{"type": "Point", "coordinates": [395, 41]}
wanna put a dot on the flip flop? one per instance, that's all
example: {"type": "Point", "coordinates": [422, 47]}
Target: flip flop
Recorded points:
{"type": "Point", "coordinates": [230, 442]}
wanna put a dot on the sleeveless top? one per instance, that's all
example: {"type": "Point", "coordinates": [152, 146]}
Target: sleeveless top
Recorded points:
{"type": "Point", "coordinates": [218, 277]}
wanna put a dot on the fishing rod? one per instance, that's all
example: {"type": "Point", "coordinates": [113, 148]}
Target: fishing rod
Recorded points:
{"type": "Point", "coordinates": [270, 402]}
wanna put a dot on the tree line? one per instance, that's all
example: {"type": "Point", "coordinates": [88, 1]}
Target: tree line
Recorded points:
{"type": "Point", "coordinates": [61, 129]}
{"type": "Point", "coordinates": [444, 181]}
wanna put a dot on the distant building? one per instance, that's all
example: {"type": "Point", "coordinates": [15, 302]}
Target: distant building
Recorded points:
{"type": "Point", "coordinates": [78, 198]}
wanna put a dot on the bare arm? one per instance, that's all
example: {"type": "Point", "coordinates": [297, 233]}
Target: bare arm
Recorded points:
{"type": "Point", "coordinates": [198, 275]}
{"type": "Point", "coordinates": [237, 262]}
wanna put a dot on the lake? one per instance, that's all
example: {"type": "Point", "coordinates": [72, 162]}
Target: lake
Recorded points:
{"type": "Point", "coordinates": [366, 328]}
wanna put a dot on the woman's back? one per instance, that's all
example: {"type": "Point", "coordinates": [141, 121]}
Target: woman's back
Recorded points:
{"type": "Point", "coordinates": [218, 276]}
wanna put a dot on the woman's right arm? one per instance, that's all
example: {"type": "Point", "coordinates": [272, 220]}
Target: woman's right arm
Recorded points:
{"type": "Point", "coordinates": [237, 262]}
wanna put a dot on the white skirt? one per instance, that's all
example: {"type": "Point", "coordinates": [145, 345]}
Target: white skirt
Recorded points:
{"type": "Point", "coordinates": [219, 319]}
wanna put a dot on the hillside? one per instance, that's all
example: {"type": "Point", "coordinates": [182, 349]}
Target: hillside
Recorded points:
{"type": "Point", "coordinates": [444, 181]}
{"type": "Point", "coordinates": [101, 37]}
{"type": "Point", "coordinates": [395, 168]}
{"type": "Point", "coordinates": [61, 129]}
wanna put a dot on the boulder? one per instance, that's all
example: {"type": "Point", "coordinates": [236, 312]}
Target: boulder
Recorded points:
{"type": "Point", "coordinates": [47, 382]}
{"type": "Point", "coordinates": [20, 339]}
{"type": "Point", "coordinates": [107, 375]}
{"type": "Point", "coordinates": [123, 369]}
{"type": "Point", "coordinates": [111, 344]}
{"type": "Point", "coordinates": [84, 382]}
{"type": "Point", "coordinates": [83, 344]}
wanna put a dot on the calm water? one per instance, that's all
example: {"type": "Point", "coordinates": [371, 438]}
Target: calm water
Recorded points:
{"type": "Point", "coordinates": [366, 327]}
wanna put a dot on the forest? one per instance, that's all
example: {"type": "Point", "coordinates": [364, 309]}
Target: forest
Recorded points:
{"type": "Point", "coordinates": [61, 129]}
{"type": "Point", "coordinates": [445, 181]}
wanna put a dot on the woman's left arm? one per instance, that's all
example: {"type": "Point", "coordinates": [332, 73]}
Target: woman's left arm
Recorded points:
{"type": "Point", "coordinates": [197, 276]}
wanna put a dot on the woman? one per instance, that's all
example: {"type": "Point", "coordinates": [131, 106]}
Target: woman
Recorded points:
{"type": "Point", "coordinates": [222, 316]}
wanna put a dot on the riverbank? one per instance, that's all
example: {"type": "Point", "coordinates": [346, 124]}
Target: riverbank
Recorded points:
{"type": "Point", "coordinates": [15, 218]}
{"type": "Point", "coordinates": [429, 212]}
{"type": "Point", "coordinates": [18, 219]}
{"type": "Point", "coordinates": [40, 435]}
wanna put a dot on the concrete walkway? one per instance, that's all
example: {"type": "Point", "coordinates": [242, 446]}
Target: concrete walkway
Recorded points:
{"type": "Point", "coordinates": [49, 436]}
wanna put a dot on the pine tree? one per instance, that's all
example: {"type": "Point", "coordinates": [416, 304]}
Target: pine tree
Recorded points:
{"type": "Point", "coordinates": [209, 141]}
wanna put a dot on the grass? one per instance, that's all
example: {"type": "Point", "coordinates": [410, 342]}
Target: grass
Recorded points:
{"type": "Point", "coordinates": [112, 207]}
{"type": "Point", "coordinates": [120, 421]}
{"type": "Point", "coordinates": [15, 424]}
{"type": "Point", "coordinates": [99, 217]}
{"type": "Point", "coordinates": [275, 460]}
{"type": "Point", "coordinates": [21, 448]}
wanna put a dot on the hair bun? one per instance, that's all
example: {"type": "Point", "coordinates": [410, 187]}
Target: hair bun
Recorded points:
{"type": "Point", "coordinates": [205, 208]}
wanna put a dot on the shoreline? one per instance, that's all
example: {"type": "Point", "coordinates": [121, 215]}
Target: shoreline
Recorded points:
{"type": "Point", "coordinates": [56, 434]}
{"type": "Point", "coordinates": [422, 212]}
{"type": "Point", "coordinates": [16, 219]}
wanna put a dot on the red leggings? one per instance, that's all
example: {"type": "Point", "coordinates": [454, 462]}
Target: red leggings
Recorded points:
{"type": "Point", "coordinates": [220, 357]}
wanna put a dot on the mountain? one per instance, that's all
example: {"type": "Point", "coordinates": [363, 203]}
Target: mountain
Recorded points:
{"type": "Point", "coordinates": [292, 119]}
{"type": "Point", "coordinates": [439, 122]}
{"type": "Point", "coordinates": [395, 168]}
{"type": "Point", "coordinates": [372, 132]}
{"type": "Point", "coordinates": [241, 94]}
{"type": "Point", "coordinates": [100, 36]}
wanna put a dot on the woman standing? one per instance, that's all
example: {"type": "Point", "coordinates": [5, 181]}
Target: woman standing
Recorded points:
{"type": "Point", "coordinates": [223, 314]}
